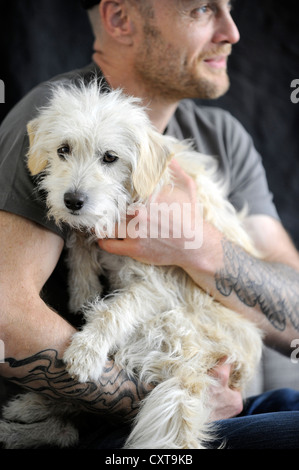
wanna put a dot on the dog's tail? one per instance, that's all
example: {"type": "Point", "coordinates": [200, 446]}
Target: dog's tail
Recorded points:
{"type": "Point", "coordinates": [170, 418]}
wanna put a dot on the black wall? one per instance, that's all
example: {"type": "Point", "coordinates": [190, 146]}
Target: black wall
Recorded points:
{"type": "Point", "coordinates": [42, 38]}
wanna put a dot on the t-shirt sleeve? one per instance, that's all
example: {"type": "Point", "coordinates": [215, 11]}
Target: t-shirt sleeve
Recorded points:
{"type": "Point", "coordinates": [18, 191]}
{"type": "Point", "coordinates": [217, 133]}
{"type": "Point", "coordinates": [248, 183]}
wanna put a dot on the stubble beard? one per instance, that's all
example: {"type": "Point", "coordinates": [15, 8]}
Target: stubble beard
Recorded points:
{"type": "Point", "coordinates": [165, 77]}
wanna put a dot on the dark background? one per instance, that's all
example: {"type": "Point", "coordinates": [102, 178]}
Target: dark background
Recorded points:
{"type": "Point", "coordinates": [40, 39]}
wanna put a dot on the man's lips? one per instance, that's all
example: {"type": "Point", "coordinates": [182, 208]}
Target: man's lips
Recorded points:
{"type": "Point", "coordinates": [217, 61]}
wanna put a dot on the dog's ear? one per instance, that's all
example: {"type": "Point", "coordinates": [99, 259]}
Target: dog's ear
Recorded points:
{"type": "Point", "coordinates": [36, 159]}
{"type": "Point", "coordinates": [155, 154]}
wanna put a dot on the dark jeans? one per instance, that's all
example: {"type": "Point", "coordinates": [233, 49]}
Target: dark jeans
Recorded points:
{"type": "Point", "coordinates": [268, 421]}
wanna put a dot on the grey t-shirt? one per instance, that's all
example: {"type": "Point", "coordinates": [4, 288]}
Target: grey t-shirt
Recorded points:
{"type": "Point", "coordinates": [214, 132]}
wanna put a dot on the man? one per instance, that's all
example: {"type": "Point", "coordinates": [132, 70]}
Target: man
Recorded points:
{"type": "Point", "coordinates": [161, 52]}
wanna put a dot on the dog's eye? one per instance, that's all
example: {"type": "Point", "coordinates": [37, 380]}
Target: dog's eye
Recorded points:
{"type": "Point", "coordinates": [109, 157]}
{"type": "Point", "coordinates": [63, 151]}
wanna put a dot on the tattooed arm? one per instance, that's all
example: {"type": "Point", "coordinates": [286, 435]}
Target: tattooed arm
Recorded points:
{"type": "Point", "coordinates": [266, 291]}
{"type": "Point", "coordinates": [35, 336]}
{"type": "Point", "coordinates": [45, 373]}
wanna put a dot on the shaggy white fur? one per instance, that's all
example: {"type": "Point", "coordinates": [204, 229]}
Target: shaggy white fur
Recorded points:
{"type": "Point", "coordinates": [93, 149]}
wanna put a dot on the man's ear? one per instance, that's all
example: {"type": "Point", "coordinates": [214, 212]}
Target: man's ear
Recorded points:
{"type": "Point", "coordinates": [154, 156]}
{"type": "Point", "coordinates": [117, 21]}
{"type": "Point", "coordinates": [36, 159]}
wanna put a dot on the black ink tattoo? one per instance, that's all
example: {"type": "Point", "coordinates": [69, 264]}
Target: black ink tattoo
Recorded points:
{"type": "Point", "coordinates": [273, 287]}
{"type": "Point", "coordinates": [116, 393]}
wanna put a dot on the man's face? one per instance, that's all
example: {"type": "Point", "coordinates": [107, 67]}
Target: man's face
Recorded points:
{"type": "Point", "coordinates": [183, 49]}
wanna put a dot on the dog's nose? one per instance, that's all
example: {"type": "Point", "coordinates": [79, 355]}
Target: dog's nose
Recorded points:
{"type": "Point", "coordinates": [74, 201]}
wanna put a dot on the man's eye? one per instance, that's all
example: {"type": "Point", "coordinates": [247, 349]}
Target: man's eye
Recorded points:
{"type": "Point", "coordinates": [109, 157]}
{"type": "Point", "coordinates": [203, 9]}
{"type": "Point", "coordinates": [63, 151]}
{"type": "Point", "coordinates": [202, 12]}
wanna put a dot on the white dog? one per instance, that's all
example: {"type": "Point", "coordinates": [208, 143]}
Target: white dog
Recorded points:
{"type": "Point", "coordinates": [94, 148]}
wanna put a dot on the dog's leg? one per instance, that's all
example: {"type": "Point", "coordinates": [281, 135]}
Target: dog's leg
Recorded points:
{"type": "Point", "coordinates": [171, 417]}
{"type": "Point", "coordinates": [84, 271]}
{"type": "Point", "coordinates": [29, 422]}
{"type": "Point", "coordinates": [108, 323]}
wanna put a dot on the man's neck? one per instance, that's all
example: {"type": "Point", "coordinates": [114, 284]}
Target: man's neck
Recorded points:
{"type": "Point", "coordinates": [159, 110]}
{"type": "Point", "coordinates": [160, 113]}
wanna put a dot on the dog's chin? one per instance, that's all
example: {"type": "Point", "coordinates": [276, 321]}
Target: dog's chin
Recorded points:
{"type": "Point", "coordinates": [93, 223]}
{"type": "Point", "coordinates": [75, 213]}
{"type": "Point", "coordinates": [75, 220]}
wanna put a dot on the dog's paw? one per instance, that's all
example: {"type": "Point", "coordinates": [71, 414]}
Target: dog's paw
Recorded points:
{"type": "Point", "coordinates": [85, 361]}
{"type": "Point", "coordinates": [51, 432]}
{"type": "Point", "coordinates": [11, 436]}
{"type": "Point", "coordinates": [28, 408]}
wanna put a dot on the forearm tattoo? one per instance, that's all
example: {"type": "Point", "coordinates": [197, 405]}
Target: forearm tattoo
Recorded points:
{"type": "Point", "coordinates": [272, 287]}
{"type": "Point", "coordinates": [116, 393]}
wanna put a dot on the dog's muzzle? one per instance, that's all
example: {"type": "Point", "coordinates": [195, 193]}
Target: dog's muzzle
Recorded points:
{"type": "Point", "coordinates": [74, 201]}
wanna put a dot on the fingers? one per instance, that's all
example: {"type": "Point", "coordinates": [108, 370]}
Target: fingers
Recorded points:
{"type": "Point", "coordinates": [180, 178]}
{"type": "Point", "coordinates": [222, 372]}
{"type": "Point", "coordinates": [226, 402]}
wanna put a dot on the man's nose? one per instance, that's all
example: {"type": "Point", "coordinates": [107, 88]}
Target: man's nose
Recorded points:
{"type": "Point", "coordinates": [226, 29]}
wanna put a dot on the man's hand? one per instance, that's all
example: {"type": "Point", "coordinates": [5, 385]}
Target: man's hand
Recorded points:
{"type": "Point", "coordinates": [225, 402]}
{"type": "Point", "coordinates": [162, 232]}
